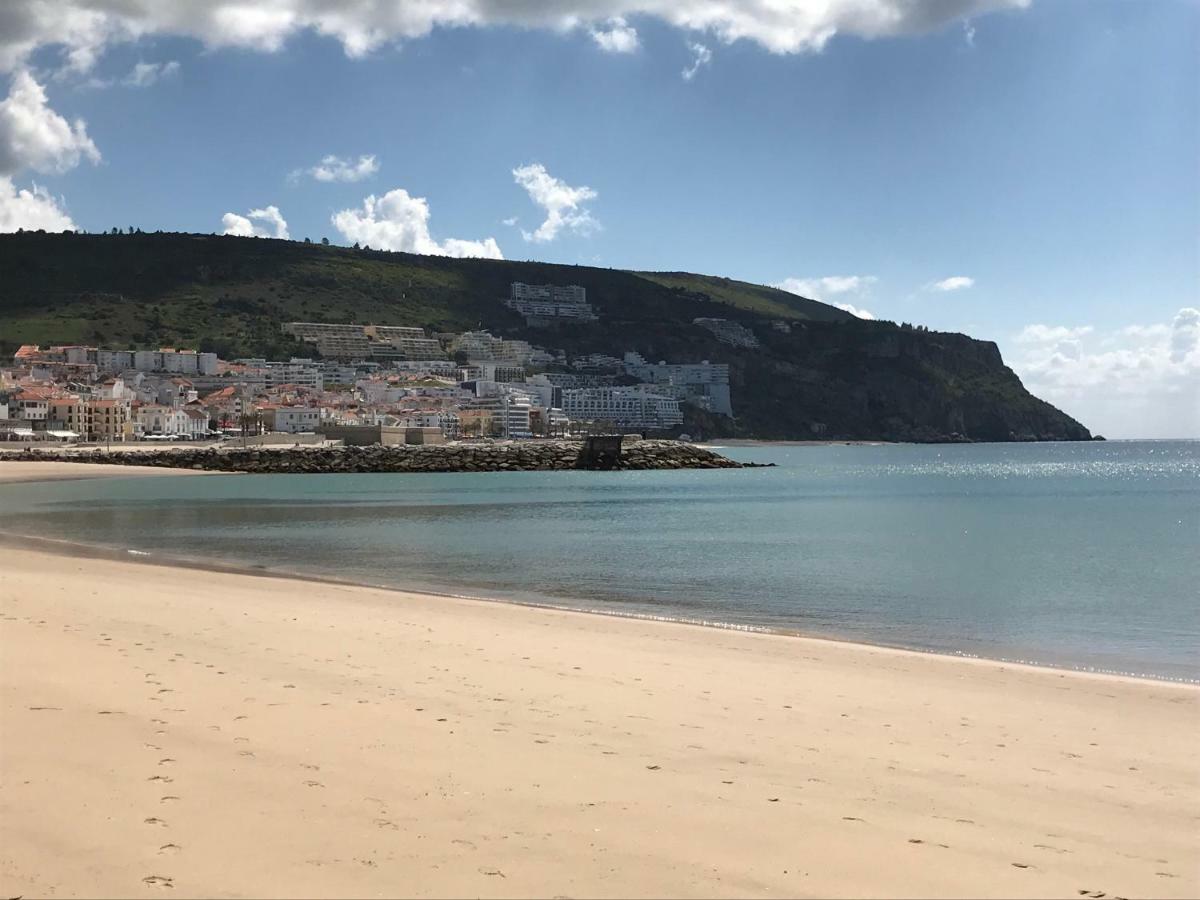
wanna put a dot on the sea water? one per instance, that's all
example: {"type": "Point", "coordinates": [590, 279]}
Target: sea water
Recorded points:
{"type": "Point", "coordinates": [1082, 554]}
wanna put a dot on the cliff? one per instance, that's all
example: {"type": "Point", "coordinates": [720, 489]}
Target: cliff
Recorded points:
{"type": "Point", "coordinates": [830, 375]}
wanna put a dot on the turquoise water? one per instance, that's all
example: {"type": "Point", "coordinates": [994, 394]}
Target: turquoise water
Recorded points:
{"type": "Point", "coordinates": [1082, 555]}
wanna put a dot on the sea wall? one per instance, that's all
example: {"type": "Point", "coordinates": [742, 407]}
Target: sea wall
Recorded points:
{"type": "Point", "coordinates": [500, 457]}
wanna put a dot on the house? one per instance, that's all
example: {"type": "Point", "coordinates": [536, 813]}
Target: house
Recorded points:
{"type": "Point", "coordinates": [290, 419]}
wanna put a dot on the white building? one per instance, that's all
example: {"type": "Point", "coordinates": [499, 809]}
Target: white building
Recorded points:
{"type": "Point", "coordinates": [291, 419]}
{"type": "Point", "coordinates": [539, 302]}
{"type": "Point", "coordinates": [626, 407]}
{"type": "Point", "coordinates": [385, 342]}
{"type": "Point", "coordinates": [180, 362]}
{"type": "Point", "coordinates": [155, 418]}
{"type": "Point", "coordinates": [302, 372]}
{"type": "Point", "coordinates": [705, 383]}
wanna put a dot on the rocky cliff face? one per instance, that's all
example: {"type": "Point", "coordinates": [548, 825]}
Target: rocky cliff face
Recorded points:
{"type": "Point", "coordinates": [870, 381]}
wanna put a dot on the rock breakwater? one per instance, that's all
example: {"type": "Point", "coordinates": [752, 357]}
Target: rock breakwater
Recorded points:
{"type": "Point", "coordinates": [460, 457]}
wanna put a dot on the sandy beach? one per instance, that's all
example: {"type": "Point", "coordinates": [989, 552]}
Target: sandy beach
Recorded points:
{"type": "Point", "coordinates": [191, 733]}
{"type": "Point", "coordinates": [13, 471]}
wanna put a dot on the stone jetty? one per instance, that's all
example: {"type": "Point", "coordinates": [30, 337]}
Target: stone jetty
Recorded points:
{"type": "Point", "coordinates": [517, 456]}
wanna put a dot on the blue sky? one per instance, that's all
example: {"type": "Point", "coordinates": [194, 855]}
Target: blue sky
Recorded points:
{"type": "Point", "coordinates": [1043, 156]}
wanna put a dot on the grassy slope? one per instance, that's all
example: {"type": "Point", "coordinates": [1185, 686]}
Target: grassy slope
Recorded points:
{"type": "Point", "coordinates": [757, 298]}
{"type": "Point", "coordinates": [153, 289]}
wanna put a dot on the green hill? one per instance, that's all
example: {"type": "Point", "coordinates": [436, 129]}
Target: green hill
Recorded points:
{"type": "Point", "coordinates": [832, 375]}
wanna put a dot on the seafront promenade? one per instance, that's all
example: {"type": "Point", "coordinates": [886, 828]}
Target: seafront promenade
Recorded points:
{"type": "Point", "coordinates": [215, 733]}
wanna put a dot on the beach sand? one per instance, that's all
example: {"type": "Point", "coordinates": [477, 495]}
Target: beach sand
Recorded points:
{"type": "Point", "coordinates": [190, 733]}
{"type": "Point", "coordinates": [18, 470]}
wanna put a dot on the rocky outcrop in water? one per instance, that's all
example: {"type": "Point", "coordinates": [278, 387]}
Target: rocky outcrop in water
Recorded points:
{"type": "Point", "coordinates": [502, 457]}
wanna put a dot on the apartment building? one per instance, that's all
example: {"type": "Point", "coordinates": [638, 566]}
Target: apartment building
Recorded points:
{"type": "Point", "coordinates": [626, 407]}
{"type": "Point", "coordinates": [411, 343]}
{"type": "Point", "coordinates": [108, 420]}
{"type": "Point", "coordinates": [68, 413]}
{"type": "Point", "coordinates": [168, 359]}
{"type": "Point", "coordinates": [704, 383]}
{"type": "Point", "coordinates": [543, 304]}
{"type": "Point", "coordinates": [385, 342]}
{"type": "Point", "coordinates": [301, 372]}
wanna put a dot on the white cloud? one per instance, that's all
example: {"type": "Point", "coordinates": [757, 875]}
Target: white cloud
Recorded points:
{"type": "Point", "coordinates": [1139, 381]}
{"type": "Point", "coordinates": [855, 310]}
{"type": "Point", "coordinates": [244, 226]}
{"type": "Point", "coordinates": [334, 168]}
{"type": "Point", "coordinates": [145, 74]}
{"type": "Point", "coordinates": [562, 203]}
{"type": "Point", "coordinates": [953, 283]}
{"type": "Point", "coordinates": [31, 209]}
{"type": "Point", "coordinates": [831, 286]}
{"type": "Point", "coordinates": [84, 29]}
{"type": "Point", "coordinates": [968, 32]}
{"type": "Point", "coordinates": [821, 288]}
{"type": "Point", "coordinates": [510, 221]}
{"type": "Point", "coordinates": [398, 221]}
{"type": "Point", "coordinates": [1049, 334]}
{"type": "Point", "coordinates": [616, 36]}
{"type": "Point", "coordinates": [701, 56]}
{"type": "Point", "coordinates": [34, 136]}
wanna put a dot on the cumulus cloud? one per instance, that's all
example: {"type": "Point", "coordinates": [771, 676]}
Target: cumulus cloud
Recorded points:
{"type": "Point", "coordinates": [334, 168]}
{"type": "Point", "coordinates": [31, 209]}
{"type": "Point", "coordinates": [84, 29]}
{"type": "Point", "coordinates": [831, 286]}
{"type": "Point", "coordinates": [270, 223]}
{"type": "Point", "coordinates": [701, 56]}
{"type": "Point", "coordinates": [1139, 381]}
{"type": "Point", "coordinates": [821, 288]}
{"type": "Point", "coordinates": [615, 36]}
{"type": "Point", "coordinates": [145, 74]}
{"type": "Point", "coordinates": [1048, 334]}
{"type": "Point", "coordinates": [399, 221]}
{"type": "Point", "coordinates": [34, 136]}
{"type": "Point", "coordinates": [855, 310]}
{"type": "Point", "coordinates": [953, 283]}
{"type": "Point", "coordinates": [562, 203]}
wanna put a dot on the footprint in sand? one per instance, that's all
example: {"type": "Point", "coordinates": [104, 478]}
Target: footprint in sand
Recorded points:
{"type": "Point", "coordinates": [169, 798]}
{"type": "Point", "coordinates": [313, 784]}
{"type": "Point", "coordinates": [169, 848]}
{"type": "Point", "coordinates": [164, 881]}
{"type": "Point", "coordinates": [154, 820]}
{"type": "Point", "coordinates": [166, 779]}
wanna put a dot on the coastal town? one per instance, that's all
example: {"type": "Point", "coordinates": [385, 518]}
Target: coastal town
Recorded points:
{"type": "Point", "coordinates": [365, 383]}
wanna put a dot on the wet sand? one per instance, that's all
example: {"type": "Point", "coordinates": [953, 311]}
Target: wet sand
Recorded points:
{"type": "Point", "coordinates": [190, 733]}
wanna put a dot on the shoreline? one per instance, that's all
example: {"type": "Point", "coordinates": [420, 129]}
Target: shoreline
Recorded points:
{"type": "Point", "coordinates": [21, 472]}
{"type": "Point", "coordinates": [234, 735]}
{"type": "Point", "coordinates": [78, 549]}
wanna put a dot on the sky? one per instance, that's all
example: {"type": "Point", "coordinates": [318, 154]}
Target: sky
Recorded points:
{"type": "Point", "coordinates": [1025, 171]}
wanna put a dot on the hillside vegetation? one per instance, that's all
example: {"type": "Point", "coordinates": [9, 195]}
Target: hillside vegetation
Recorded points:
{"type": "Point", "coordinates": [832, 376]}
